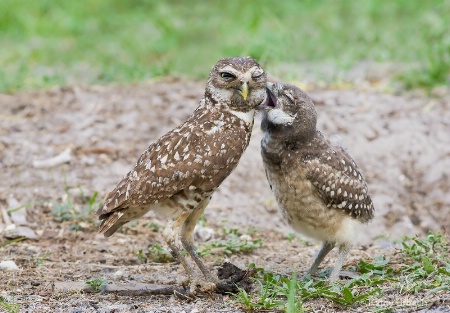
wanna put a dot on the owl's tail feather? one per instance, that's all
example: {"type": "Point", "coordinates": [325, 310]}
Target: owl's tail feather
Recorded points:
{"type": "Point", "coordinates": [111, 223]}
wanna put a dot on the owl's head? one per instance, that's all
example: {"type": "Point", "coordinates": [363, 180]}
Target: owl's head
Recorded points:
{"type": "Point", "coordinates": [288, 111]}
{"type": "Point", "coordinates": [239, 83]}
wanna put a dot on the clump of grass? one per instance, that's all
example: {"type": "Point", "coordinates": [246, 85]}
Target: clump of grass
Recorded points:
{"type": "Point", "coordinates": [427, 264]}
{"type": "Point", "coordinates": [97, 283]}
{"type": "Point", "coordinates": [156, 253]}
{"type": "Point", "coordinates": [10, 306]}
{"type": "Point", "coordinates": [288, 294]}
{"type": "Point", "coordinates": [232, 242]}
{"type": "Point", "coordinates": [38, 261]}
{"type": "Point", "coordinates": [434, 70]}
{"type": "Point", "coordinates": [425, 269]}
{"type": "Point", "coordinates": [69, 211]}
{"type": "Point", "coordinates": [154, 227]}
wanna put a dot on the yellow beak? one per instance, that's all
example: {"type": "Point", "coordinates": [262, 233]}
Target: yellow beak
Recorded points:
{"type": "Point", "coordinates": [244, 90]}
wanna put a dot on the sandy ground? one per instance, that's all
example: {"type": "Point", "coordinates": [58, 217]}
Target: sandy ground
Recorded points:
{"type": "Point", "coordinates": [401, 143]}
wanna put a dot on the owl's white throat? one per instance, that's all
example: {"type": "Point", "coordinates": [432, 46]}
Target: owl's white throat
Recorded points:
{"type": "Point", "coordinates": [278, 117]}
{"type": "Point", "coordinates": [247, 117]}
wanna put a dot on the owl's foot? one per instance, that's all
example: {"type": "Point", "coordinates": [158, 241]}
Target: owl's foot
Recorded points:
{"type": "Point", "coordinates": [186, 282]}
{"type": "Point", "coordinates": [201, 286]}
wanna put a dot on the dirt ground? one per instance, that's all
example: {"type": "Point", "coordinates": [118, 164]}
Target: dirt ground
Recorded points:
{"type": "Point", "coordinates": [401, 143]}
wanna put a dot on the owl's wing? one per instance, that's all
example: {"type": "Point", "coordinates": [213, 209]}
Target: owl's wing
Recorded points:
{"type": "Point", "coordinates": [187, 157]}
{"type": "Point", "coordinates": [164, 169]}
{"type": "Point", "coordinates": [340, 184]}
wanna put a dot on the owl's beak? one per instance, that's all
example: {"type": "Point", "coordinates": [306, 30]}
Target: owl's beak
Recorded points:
{"type": "Point", "coordinates": [244, 90]}
{"type": "Point", "coordinates": [271, 101]}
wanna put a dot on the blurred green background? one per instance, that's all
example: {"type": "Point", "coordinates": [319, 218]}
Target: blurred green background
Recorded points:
{"type": "Point", "coordinates": [46, 43]}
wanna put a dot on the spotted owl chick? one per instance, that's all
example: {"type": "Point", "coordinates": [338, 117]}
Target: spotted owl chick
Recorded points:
{"type": "Point", "coordinates": [316, 183]}
{"type": "Point", "coordinates": [177, 175]}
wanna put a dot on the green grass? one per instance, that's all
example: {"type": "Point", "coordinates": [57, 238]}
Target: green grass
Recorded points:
{"type": "Point", "coordinates": [47, 43]}
{"type": "Point", "coordinates": [79, 215]}
{"type": "Point", "coordinates": [156, 253]}
{"type": "Point", "coordinates": [97, 283]}
{"type": "Point", "coordinates": [9, 306]}
{"type": "Point", "coordinates": [419, 276]}
{"type": "Point", "coordinates": [231, 242]}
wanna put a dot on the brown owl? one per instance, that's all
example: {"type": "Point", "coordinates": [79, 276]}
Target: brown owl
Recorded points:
{"type": "Point", "coordinates": [177, 175]}
{"type": "Point", "coordinates": [316, 183]}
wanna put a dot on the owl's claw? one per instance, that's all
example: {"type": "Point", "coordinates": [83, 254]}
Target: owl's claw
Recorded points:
{"type": "Point", "coordinates": [201, 286]}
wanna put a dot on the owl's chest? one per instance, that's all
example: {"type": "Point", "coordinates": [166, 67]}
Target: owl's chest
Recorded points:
{"type": "Point", "coordinates": [226, 130]}
{"type": "Point", "coordinates": [286, 174]}
{"type": "Point", "coordinates": [289, 183]}
{"type": "Point", "coordinates": [229, 144]}
{"type": "Point", "coordinates": [298, 199]}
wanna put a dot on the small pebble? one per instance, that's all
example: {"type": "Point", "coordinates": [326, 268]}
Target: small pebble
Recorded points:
{"type": "Point", "coordinates": [245, 237]}
{"type": "Point", "coordinates": [8, 266]}
{"type": "Point", "coordinates": [118, 274]}
{"type": "Point", "coordinates": [203, 234]}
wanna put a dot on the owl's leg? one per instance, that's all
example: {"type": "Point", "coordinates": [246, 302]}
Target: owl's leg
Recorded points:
{"type": "Point", "coordinates": [326, 248]}
{"type": "Point", "coordinates": [344, 249]}
{"type": "Point", "coordinates": [170, 234]}
{"type": "Point", "coordinates": [187, 238]}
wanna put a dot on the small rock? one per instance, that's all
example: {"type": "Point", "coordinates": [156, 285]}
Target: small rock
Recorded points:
{"type": "Point", "coordinates": [84, 225]}
{"type": "Point", "coordinates": [19, 232]}
{"type": "Point", "coordinates": [8, 266]}
{"type": "Point", "coordinates": [118, 274]}
{"type": "Point", "coordinates": [121, 241]}
{"type": "Point", "coordinates": [203, 234]}
{"type": "Point", "coordinates": [18, 216]}
{"type": "Point", "coordinates": [119, 308]}
{"type": "Point", "coordinates": [245, 237]}
{"type": "Point", "coordinates": [6, 217]}
{"type": "Point", "coordinates": [33, 248]}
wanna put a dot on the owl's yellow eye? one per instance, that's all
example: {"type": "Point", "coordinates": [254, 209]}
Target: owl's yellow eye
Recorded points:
{"type": "Point", "coordinates": [227, 75]}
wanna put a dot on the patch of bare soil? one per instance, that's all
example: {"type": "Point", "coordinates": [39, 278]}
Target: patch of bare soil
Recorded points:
{"type": "Point", "coordinates": [401, 143]}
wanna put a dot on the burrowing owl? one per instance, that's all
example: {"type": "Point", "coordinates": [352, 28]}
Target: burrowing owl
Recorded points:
{"type": "Point", "coordinates": [177, 175]}
{"type": "Point", "coordinates": [317, 185]}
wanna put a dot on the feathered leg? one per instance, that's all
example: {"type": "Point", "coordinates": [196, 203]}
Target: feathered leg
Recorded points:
{"type": "Point", "coordinates": [170, 234]}
{"type": "Point", "coordinates": [326, 248]}
{"type": "Point", "coordinates": [343, 252]}
{"type": "Point", "coordinates": [187, 238]}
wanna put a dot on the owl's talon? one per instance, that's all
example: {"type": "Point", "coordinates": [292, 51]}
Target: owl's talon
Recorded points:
{"type": "Point", "coordinates": [186, 282]}
{"type": "Point", "coordinates": [200, 286]}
